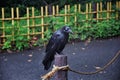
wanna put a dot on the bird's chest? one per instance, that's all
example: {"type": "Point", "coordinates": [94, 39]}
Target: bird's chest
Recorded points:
{"type": "Point", "coordinates": [63, 40]}
{"type": "Point", "coordinates": [62, 43]}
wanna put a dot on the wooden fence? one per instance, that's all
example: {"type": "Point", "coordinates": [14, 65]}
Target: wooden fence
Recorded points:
{"type": "Point", "coordinates": [37, 24]}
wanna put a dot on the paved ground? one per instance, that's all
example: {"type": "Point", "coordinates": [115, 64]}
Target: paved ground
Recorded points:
{"type": "Point", "coordinates": [27, 65]}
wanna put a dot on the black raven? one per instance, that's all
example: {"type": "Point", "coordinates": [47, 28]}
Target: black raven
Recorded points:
{"type": "Point", "coordinates": [55, 45]}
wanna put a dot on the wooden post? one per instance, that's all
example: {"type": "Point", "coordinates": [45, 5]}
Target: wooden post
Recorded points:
{"type": "Point", "coordinates": [61, 60]}
{"type": "Point", "coordinates": [28, 24]}
{"type": "Point", "coordinates": [3, 25]}
{"type": "Point", "coordinates": [42, 22]}
{"type": "Point", "coordinates": [75, 18]}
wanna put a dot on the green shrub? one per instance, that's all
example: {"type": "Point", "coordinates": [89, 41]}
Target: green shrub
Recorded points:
{"type": "Point", "coordinates": [16, 40]}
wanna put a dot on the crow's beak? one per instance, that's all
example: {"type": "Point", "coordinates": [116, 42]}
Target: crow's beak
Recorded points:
{"type": "Point", "coordinates": [70, 31]}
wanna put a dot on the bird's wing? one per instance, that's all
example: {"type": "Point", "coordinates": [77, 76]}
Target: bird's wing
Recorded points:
{"type": "Point", "coordinates": [50, 51]}
{"type": "Point", "coordinates": [53, 42]}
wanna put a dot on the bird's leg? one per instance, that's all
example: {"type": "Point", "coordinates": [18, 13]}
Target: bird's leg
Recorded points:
{"type": "Point", "coordinates": [61, 53]}
{"type": "Point", "coordinates": [57, 54]}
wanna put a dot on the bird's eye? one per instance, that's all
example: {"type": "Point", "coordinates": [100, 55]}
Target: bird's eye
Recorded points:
{"type": "Point", "coordinates": [66, 29]}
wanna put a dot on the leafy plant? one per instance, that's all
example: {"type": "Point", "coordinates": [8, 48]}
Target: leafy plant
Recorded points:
{"type": "Point", "coordinates": [17, 41]}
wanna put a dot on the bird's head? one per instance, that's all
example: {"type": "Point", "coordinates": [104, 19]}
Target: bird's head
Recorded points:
{"type": "Point", "coordinates": [67, 29]}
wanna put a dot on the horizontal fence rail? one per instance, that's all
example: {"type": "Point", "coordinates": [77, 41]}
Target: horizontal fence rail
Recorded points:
{"type": "Point", "coordinates": [33, 24]}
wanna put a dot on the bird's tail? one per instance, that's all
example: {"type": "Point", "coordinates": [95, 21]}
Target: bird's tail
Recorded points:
{"type": "Point", "coordinates": [48, 61]}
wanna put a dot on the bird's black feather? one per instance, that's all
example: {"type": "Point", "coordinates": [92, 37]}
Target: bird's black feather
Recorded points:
{"type": "Point", "coordinates": [55, 45]}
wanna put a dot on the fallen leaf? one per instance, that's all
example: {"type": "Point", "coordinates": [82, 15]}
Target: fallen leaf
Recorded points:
{"type": "Point", "coordinates": [86, 65]}
{"type": "Point", "coordinates": [39, 49]}
{"type": "Point", "coordinates": [96, 67]}
{"type": "Point", "coordinates": [104, 72]}
{"type": "Point", "coordinates": [87, 41]}
{"type": "Point", "coordinates": [101, 72]}
{"type": "Point", "coordinates": [9, 51]}
{"type": "Point", "coordinates": [23, 54]}
{"type": "Point", "coordinates": [29, 60]}
{"type": "Point", "coordinates": [81, 79]}
{"type": "Point", "coordinates": [83, 48]}
{"type": "Point", "coordinates": [5, 59]}
{"type": "Point", "coordinates": [30, 55]}
{"type": "Point", "coordinates": [73, 53]}
{"type": "Point", "coordinates": [73, 43]}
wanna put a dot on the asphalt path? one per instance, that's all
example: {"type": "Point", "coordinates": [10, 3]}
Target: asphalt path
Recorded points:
{"type": "Point", "coordinates": [26, 65]}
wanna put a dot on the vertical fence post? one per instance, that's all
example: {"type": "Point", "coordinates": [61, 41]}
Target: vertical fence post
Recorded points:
{"type": "Point", "coordinates": [65, 14]}
{"type": "Point", "coordinates": [46, 14]}
{"type": "Point", "coordinates": [75, 18]}
{"type": "Point", "coordinates": [100, 10]}
{"type": "Point", "coordinates": [28, 24]}
{"type": "Point", "coordinates": [97, 12]}
{"type": "Point", "coordinates": [17, 17]}
{"type": "Point", "coordinates": [61, 60]}
{"type": "Point", "coordinates": [68, 20]}
{"type": "Point", "coordinates": [3, 26]}
{"type": "Point", "coordinates": [13, 26]}
{"type": "Point", "coordinates": [57, 9]}
{"type": "Point", "coordinates": [42, 22]}
{"type": "Point", "coordinates": [33, 20]}
{"type": "Point", "coordinates": [79, 8]}
{"type": "Point", "coordinates": [117, 11]}
{"type": "Point", "coordinates": [90, 10]}
{"type": "Point", "coordinates": [108, 8]}
{"type": "Point", "coordinates": [86, 12]}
